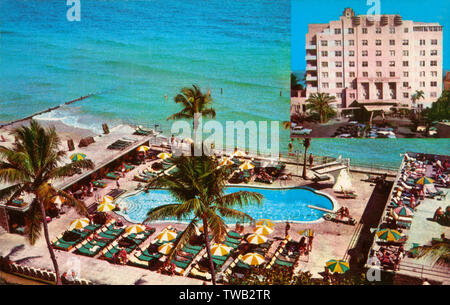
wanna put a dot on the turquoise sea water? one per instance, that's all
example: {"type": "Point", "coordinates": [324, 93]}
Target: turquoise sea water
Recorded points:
{"type": "Point", "coordinates": [278, 205]}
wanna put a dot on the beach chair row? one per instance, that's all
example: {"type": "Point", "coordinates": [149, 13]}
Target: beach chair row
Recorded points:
{"type": "Point", "coordinates": [59, 243]}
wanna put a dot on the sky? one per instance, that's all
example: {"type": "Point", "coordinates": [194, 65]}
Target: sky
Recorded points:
{"type": "Point", "coordinates": [304, 12]}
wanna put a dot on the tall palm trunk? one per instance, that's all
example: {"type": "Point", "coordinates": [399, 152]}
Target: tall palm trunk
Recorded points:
{"type": "Point", "coordinates": [49, 245]}
{"type": "Point", "coordinates": [208, 250]}
{"type": "Point", "coordinates": [304, 163]}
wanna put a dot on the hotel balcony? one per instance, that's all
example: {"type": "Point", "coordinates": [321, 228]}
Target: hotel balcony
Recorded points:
{"type": "Point", "coordinates": [311, 68]}
{"type": "Point", "coordinates": [310, 57]}
{"type": "Point", "coordinates": [311, 78]}
{"type": "Point", "coordinates": [311, 47]}
{"type": "Point", "coordinates": [310, 90]}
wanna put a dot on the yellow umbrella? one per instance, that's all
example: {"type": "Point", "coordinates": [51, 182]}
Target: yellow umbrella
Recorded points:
{"type": "Point", "coordinates": [164, 156]}
{"type": "Point", "coordinates": [256, 239]}
{"type": "Point", "coordinates": [306, 232]}
{"type": "Point", "coordinates": [106, 207]}
{"type": "Point", "coordinates": [263, 230]}
{"type": "Point", "coordinates": [265, 222]}
{"type": "Point", "coordinates": [79, 223]}
{"type": "Point", "coordinates": [337, 266]}
{"type": "Point", "coordinates": [239, 153]}
{"type": "Point", "coordinates": [166, 248]}
{"type": "Point", "coordinates": [226, 161]}
{"type": "Point", "coordinates": [106, 199]}
{"type": "Point", "coordinates": [253, 259]}
{"type": "Point", "coordinates": [246, 165]}
{"type": "Point", "coordinates": [135, 229]}
{"type": "Point", "coordinates": [166, 235]}
{"type": "Point", "coordinates": [143, 148]}
{"type": "Point", "coordinates": [220, 249]}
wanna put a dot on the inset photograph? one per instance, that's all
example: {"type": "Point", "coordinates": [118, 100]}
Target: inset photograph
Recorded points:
{"type": "Point", "coordinates": [369, 71]}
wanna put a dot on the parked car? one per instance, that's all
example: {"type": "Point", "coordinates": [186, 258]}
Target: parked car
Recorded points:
{"type": "Point", "coordinates": [299, 130]}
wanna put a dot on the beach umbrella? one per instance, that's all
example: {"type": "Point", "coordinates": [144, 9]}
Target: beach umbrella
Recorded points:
{"type": "Point", "coordinates": [107, 199]}
{"type": "Point", "coordinates": [239, 153]}
{"type": "Point", "coordinates": [57, 200]}
{"type": "Point", "coordinates": [165, 248]}
{"type": "Point", "coordinates": [167, 235]}
{"type": "Point", "coordinates": [220, 249]}
{"type": "Point", "coordinates": [226, 161]}
{"type": "Point", "coordinates": [306, 232]}
{"type": "Point", "coordinates": [143, 148]}
{"type": "Point", "coordinates": [265, 222]}
{"type": "Point", "coordinates": [246, 165]}
{"type": "Point", "coordinates": [135, 229]}
{"type": "Point", "coordinates": [77, 157]}
{"type": "Point", "coordinates": [79, 223]}
{"type": "Point", "coordinates": [337, 266]}
{"type": "Point", "coordinates": [106, 207]}
{"type": "Point", "coordinates": [253, 259]}
{"type": "Point", "coordinates": [164, 156]}
{"type": "Point", "coordinates": [424, 180]}
{"type": "Point", "coordinates": [404, 211]}
{"type": "Point", "coordinates": [256, 239]}
{"type": "Point", "coordinates": [263, 230]}
{"type": "Point", "coordinates": [389, 235]}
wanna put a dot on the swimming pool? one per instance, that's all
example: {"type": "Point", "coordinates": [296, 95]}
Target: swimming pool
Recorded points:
{"type": "Point", "coordinates": [278, 204]}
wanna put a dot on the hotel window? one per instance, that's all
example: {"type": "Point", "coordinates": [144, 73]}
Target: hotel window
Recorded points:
{"type": "Point", "coordinates": [433, 84]}
{"type": "Point", "coordinates": [338, 64]}
{"type": "Point", "coordinates": [405, 64]}
{"type": "Point", "coordinates": [378, 42]}
{"type": "Point", "coordinates": [351, 53]}
{"type": "Point", "coordinates": [364, 30]}
{"type": "Point", "coordinates": [434, 52]}
{"type": "Point", "coordinates": [324, 43]}
{"type": "Point", "coordinates": [422, 63]}
{"type": "Point", "coordinates": [434, 42]}
{"type": "Point", "coordinates": [392, 64]}
{"type": "Point", "coordinates": [324, 85]}
{"type": "Point", "coordinates": [365, 53]}
{"type": "Point", "coordinates": [392, 74]}
{"type": "Point", "coordinates": [352, 95]}
{"type": "Point", "coordinates": [365, 74]}
{"type": "Point", "coordinates": [378, 63]}
{"type": "Point", "coordinates": [337, 43]}
{"type": "Point", "coordinates": [422, 73]}
{"type": "Point", "coordinates": [337, 31]}
{"type": "Point", "coordinates": [351, 42]}
{"type": "Point", "coordinates": [405, 42]}
{"type": "Point", "coordinates": [351, 30]}
{"type": "Point", "coordinates": [378, 52]}
{"type": "Point", "coordinates": [325, 74]}
{"type": "Point", "coordinates": [405, 94]}
{"type": "Point", "coordinates": [405, 30]}
{"type": "Point", "coordinates": [324, 53]}
{"type": "Point", "coordinates": [422, 42]}
{"type": "Point", "coordinates": [379, 74]}
{"type": "Point", "coordinates": [364, 42]}
{"type": "Point", "coordinates": [392, 30]}
{"type": "Point", "coordinates": [392, 42]}
{"type": "Point", "coordinates": [405, 74]}
{"type": "Point", "coordinates": [351, 74]}
{"type": "Point", "coordinates": [324, 64]}
{"type": "Point", "coordinates": [338, 85]}
{"type": "Point", "coordinates": [351, 63]}
{"type": "Point", "coordinates": [433, 94]}
{"type": "Point", "coordinates": [338, 74]}
{"type": "Point", "coordinates": [338, 53]}
{"type": "Point", "coordinates": [405, 85]}
{"type": "Point", "coordinates": [365, 63]}
{"type": "Point", "coordinates": [339, 95]}
{"type": "Point", "coordinates": [392, 52]}
{"type": "Point", "coordinates": [422, 53]}
{"type": "Point", "coordinates": [434, 73]}
{"type": "Point", "coordinates": [405, 53]}
{"type": "Point", "coordinates": [433, 63]}
{"type": "Point", "coordinates": [422, 84]}
{"type": "Point", "coordinates": [378, 30]}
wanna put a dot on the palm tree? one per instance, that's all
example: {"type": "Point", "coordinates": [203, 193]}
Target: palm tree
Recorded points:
{"type": "Point", "coordinates": [306, 145]}
{"type": "Point", "coordinates": [438, 253]}
{"type": "Point", "coordinates": [28, 167]}
{"type": "Point", "coordinates": [320, 103]}
{"type": "Point", "coordinates": [193, 101]}
{"type": "Point", "coordinates": [419, 94]}
{"type": "Point", "coordinates": [198, 186]}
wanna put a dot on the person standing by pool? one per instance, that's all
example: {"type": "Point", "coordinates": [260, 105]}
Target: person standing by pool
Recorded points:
{"type": "Point", "coordinates": [310, 242]}
{"type": "Point", "coordinates": [311, 160]}
{"type": "Point", "coordinates": [288, 227]}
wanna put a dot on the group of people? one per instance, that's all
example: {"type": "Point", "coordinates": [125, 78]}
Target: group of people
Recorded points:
{"type": "Point", "coordinates": [391, 258]}
{"type": "Point", "coordinates": [343, 212]}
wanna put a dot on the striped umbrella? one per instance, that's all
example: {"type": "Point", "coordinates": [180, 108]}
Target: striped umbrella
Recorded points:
{"type": "Point", "coordinates": [306, 232]}
{"type": "Point", "coordinates": [77, 157]}
{"type": "Point", "coordinates": [164, 156]}
{"type": "Point", "coordinates": [263, 230]}
{"type": "Point", "coordinates": [166, 235]}
{"type": "Point", "coordinates": [107, 199]}
{"type": "Point", "coordinates": [166, 248]}
{"type": "Point", "coordinates": [79, 223]}
{"type": "Point", "coordinates": [143, 148]}
{"type": "Point", "coordinates": [220, 249]}
{"type": "Point", "coordinates": [389, 235]}
{"type": "Point", "coordinates": [106, 207]}
{"type": "Point", "coordinates": [135, 229]}
{"type": "Point", "coordinates": [226, 161]}
{"type": "Point", "coordinates": [253, 259]}
{"type": "Point", "coordinates": [57, 200]}
{"type": "Point", "coordinates": [265, 222]}
{"type": "Point", "coordinates": [239, 153]}
{"type": "Point", "coordinates": [246, 165]}
{"type": "Point", "coordinates": [424, 180]}
{"type": "Point", "coordinates": [256, 239]}
{"type": "Point", "coordinates": [404, 211]}
{"type": "Point", "coordinates": [337, 266]}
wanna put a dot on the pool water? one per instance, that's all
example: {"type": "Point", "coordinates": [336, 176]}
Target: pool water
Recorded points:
{"type": "Point", "coordinates": [278, 204]}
